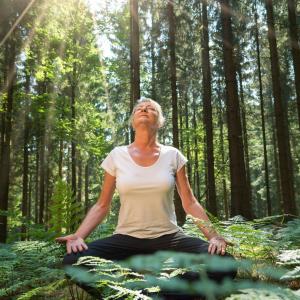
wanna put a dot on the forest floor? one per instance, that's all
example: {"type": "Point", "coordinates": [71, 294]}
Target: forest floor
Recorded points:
{"type": "Point", "coordinates": [267, 253]}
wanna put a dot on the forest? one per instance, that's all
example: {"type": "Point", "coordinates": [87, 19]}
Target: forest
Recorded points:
{"type": "Point", "coordinates": [227, 75]}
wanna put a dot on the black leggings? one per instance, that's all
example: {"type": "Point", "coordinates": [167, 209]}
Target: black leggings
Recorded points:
{"type": "Point", "coordinates": [119, 247]}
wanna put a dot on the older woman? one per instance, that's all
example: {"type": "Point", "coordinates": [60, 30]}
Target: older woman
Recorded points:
{"type": "Point", "coordinates": [144, 173]}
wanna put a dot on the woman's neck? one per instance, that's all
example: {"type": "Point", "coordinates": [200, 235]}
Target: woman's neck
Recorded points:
{"type": "Point", "coordinates": [145, 139]}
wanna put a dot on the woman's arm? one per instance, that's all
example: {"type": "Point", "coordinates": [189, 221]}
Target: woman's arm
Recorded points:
{"type": "Point", "coordinates": [194, 208]}
{"type": "Point", "coordinates": [75, 242]}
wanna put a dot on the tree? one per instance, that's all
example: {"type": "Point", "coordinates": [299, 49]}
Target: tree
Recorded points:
{"type": "Point", "coordinates": [134, 55]}
{"type": "Point", "coordinates": [207, 115]}
{"type": "Point", "coordinates": [284, 150]}
{"type": "Point", "coordinates": [294, 42]}
{"type": "Point", "coordinates": [172, 25]}
{"type": "Point", "coordinates": [240, 196]}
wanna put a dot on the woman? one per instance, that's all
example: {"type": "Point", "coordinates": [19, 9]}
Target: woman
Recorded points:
{"type": "Point", "coordinates": [144, 173]}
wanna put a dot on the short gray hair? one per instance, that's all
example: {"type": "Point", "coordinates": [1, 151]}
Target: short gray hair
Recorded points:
{"type": "Point", "coordinates": [161, 118]}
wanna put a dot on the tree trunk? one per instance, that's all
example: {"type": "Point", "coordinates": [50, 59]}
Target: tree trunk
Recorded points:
{"type": "Point", "coordinates": [278, 192]}
{"type": "Point", "coordinates": [295, 49]}
{"type": "Point", "coordinates": [134, 56]}
{"type": "Point", "coordinates": [284, 151]}
{"type": "Point", "coordinates": [86, 187]}
{"type": "Point", "coordinates": [207, 116]}
{"type": "Point", "coordinates": [180, 213]}
{"type": "Point", "coordinates": [42, 177]}
{"type": "Point", "coordinates": [196, 168]}
{"type": "Point", "coordinates": [42, 165]}
{"type": "Point", "coordinates": [223, 161]}
{"type": "Point", "coordinates": [25, 159]}
{"type": "Point", "coordinates": [37, 168]}
{"type": "Point", "coordinates": [262, 112]}
{"type": "Point", "coordinates": [73, 154]}
{"type": "Point", "coordinates": [79, 195]}
{"type": "Point", "coordinates": [244, 125]}
{"type": "Point", "coordinates": [5, 155]}
{"type": "Point", "coordinates": [153, 60]}
{"type": "Point", "coordinates": [188, 147]}
{"type": "Point", "coordinates": [4, 89]}
{"type": "Point", "coordinates": [60, 159]}
{"type": "Point", "coordinates": [239, 187]}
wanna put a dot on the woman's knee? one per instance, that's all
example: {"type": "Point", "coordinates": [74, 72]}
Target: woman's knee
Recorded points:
{"type": "Point", "coordinates": [70, 259]}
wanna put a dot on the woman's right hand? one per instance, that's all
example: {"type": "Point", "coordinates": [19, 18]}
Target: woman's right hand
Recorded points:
{"type": "Point", "coordinates": [73, 242]}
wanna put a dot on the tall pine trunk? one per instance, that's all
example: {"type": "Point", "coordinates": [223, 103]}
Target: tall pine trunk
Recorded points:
{"type": "Point", "coordinates": [153, 59]}
{"type": "Point", "coordinates": [187, 128]}
{"type": "Point", "coordinates": [180, 213]}
{"type": "Point", "coordinates": [222, 150]}
{"type": "Point", "coordinates": [134, 56]}
{"type": "Point", "coordinates": [262, 113]}
{"type": "Point", "coordinates": [5, 155]}
{"type": "Point", "coordinates": [240, 196]}
{"type": "Point", "coordinates": [25, 158]}
{"type": "Point", "coordinates": [86, 187]}
{"type": "Point", "coordinates": [294, 40]}
{"type": "Point", "coordinates": [196, 164]}
{"type": "Point", "coordinates": [284, 151]}
{"type": "Point", "coordinates": [244, 124]}
{"type": "Point", "coordinates": [207, 116]}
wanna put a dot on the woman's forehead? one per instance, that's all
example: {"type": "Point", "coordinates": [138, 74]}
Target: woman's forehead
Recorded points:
{"type": "Point", "coordinates": [143, 104]}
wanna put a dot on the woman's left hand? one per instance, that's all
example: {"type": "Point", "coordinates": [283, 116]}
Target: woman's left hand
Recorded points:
{"type": "Point", "coordinates": [217, 245]}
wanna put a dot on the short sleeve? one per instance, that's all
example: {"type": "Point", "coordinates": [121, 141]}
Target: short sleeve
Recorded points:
{"type": "Point", "coordinates": [181, 160]}
{"type": "Point", "coordinates": [108, 164]}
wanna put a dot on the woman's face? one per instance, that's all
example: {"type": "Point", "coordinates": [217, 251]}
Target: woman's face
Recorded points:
{"type": "Point", "coordinates": [145, 114]}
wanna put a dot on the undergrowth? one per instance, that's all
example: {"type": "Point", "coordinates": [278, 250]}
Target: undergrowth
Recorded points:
{"type": "Point", "coordinates": [267, 255]}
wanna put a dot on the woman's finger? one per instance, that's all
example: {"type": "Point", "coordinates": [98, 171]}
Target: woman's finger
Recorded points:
{"type": "Point", "coordinates": [69, 250]}
{"type": "Point", "coordinates": [79, 247]}
{"type": "Point", "coordinates": [84, 245]}
{"type": "Point", "coordinates": [74, 248]}
{"type": "Point", "coordinates": [213, 249]}
{"type": "Point", "coordinates": [223, 251]}
{"type": "Point", "coordinates": [61, 239]}
{"type": "Point", "coordinates": [220, 248]}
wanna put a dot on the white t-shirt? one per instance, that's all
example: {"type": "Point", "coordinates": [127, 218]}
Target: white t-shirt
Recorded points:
{"type": "Point", "coordinates": [146, 193]}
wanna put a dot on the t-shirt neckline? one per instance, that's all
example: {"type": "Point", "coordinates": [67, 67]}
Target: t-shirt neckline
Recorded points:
{"type": "Point", "coordinates": [145, 167]}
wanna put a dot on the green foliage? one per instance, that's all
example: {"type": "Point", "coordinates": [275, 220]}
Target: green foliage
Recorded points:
{"type": "Point", "coordinates": [144, 276]}
{"type": "Point", "coordinates": [30, 269]}
{"type": "Point", "coordinates": [148, 277]}
{"type": "Point", "coordinates": [63, 208]}
{"type": "Point", "coordinates": [289, 235]}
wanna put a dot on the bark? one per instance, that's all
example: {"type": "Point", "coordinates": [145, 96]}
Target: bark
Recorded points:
{"type": "Point", "coordinates": [196, 168]}
{"type": "Point", "coordinates": [153, 59]}
{"type": "Point", "coordinates": [134, 56]}
{"type": "Point", "coordinates": [42, 164]}
{"type": "Point", "coordinates": [244, 126]}
{"type": "Point", "coordinates": [5, 155]}
{"type": "Point", "coordinates": [282, 132]}
{"type": "Point", "coordinates": [262, 113]}
{"type": "Point", "coordinates": [207, 116]}
{"type": "Point", "coordinates": [79, 195]}
{"type": "Point", "coordinates": [25, 159]}
{"type": "Point", "coordinates": [223, 161]}
{"type": "Point", "coordinates": [37, 168]}
{"type": "Point", "coordinates": [239, 187]}
{"type": "Point", "coordinates": [180, 213]}
{"type": "Point", "coordinates": [60, 159]}
{"type": "Point", "coordinates": [86, 187]}
{"type": "Point", "coordinates": [42, 177]}
{"type": "Point", "coordinates": [73, 144]}
{"type": "Point", "coordinates": [188, 146]}
{"type": "Point", "coordinates": [294, 41]}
